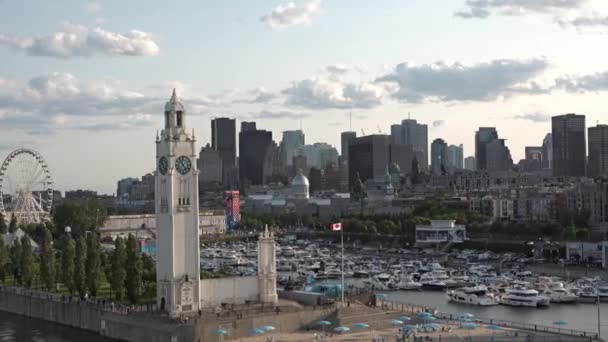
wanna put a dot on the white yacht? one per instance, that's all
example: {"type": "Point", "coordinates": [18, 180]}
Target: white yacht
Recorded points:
{"type": "Point", "coordinates": [524, 297]}
{"type": "Point", "coordinates": [435, 280]}
{"type": "Point", "coordinates": [407, 283]}
{"type": "Point", "coordinates": [588, 294]}
{"type": "Point", "coordinates": [557, 293]}
{"type": "Point", "coordinates": [603, 293]}
{"type": "Point", "coordinates": [288, 252]}
{"type": "Point", "coordinates": [474, 295]}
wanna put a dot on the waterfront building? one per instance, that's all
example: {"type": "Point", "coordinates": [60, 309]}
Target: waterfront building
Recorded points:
{"type": "Point", "coordinates": [591, 196]}
{"type": "Point", "coordinates": [223, 140]}
{"type": "Point", "coordinates": [441, 231]}
{"type": "Point", "coordinates": [598, 151]}
{"type": "Point", "coordinates": [588, 252]}
{"type": "Point", "coordinates": [410, 132]}
{"type": "Point", "coordinates": [439, 156]}
{"type": "Point", "coordinates": [300, 186]}
{"type": "Point", "coordinates": [568, 143]}
{"type": "Point", "coordinates": [482, 137]}
{"type": "Point", "coordinates": [368, 157]}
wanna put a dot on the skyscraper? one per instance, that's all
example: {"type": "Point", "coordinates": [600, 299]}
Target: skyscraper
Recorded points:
{"type": "Point", "coordinates": [470, 163]}
{"type": "Point", "coordinates": [346, 138]}
{"type": "Point", "coordinates": [410, 132]}
{"type": "Point", "coordinates": [569, 150]}
{"type": "Point", "coordinates": [439, 156]}
{"type": "Point", "coordinates": [482, 137]}
{"type": "Point", "coordinates": [455, 157]}
{"type": "Point", "coordinates": [223, 140]}
{"type": "Point", "coordinates": [498, 156]}
{"type": "Point", "coordinates": [598, 151]}
{"type": "Point", "coordinates": [254, 149]}
{"type": "Point", "coordinates": [547, 148]}
{"type": "Point", "coordinates": [369, 157]}
{"type": "Point", "coordinates": [292, 141]}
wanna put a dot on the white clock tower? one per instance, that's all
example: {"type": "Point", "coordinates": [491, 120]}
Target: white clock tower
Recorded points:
{"type": "Point", "coordinates": [177, 226]}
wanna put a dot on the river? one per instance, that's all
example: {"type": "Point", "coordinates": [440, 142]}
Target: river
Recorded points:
{"type": "Point", "coordinates": [21, 329]}
{"type": "Point", "coordinates": [581, 316]}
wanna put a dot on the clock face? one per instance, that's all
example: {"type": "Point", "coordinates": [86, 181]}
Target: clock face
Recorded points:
{"type": "Point", "coordinates": [183, 165]}
{"type": "Point", "coordinates": [163, 165]}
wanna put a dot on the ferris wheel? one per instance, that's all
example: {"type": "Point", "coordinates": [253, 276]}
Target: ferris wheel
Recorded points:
{"type": "Point", "coordinates": [25, 187]}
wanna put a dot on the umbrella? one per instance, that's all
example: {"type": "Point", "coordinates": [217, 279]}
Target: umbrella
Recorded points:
{"type": "Point", "coordinates": [493, 327]}
{"type": "Point", "coordinates": [469, 325]}
{"type": "Point", "coordinates": [428, 318]}
{"type": "Point", "coordinates": [464, 319]}
{"type": "Point", "coordinates": [268, 328]}
{"type": "Point", "coordinates": [256, 332]}
{"type": "Point", "coordinates": [324, 323]}
{"type": "Point", "coordinates": [381, 296]}
{"type": "Point", "coordinates": [220, 332]}
{"type": "Point", "coordinates": [409, 327]}
{"type": "Point", "coordinates": [361, 325]}
{"type": "Point", "coordinates": [341, 329]}
{"type": "Point", "coordinates": [466, 315]}
{"type": "Point", "coordinates": [396, 322]}
{"type": "Point", "coordinates": [560, 323]}
{"type": "Point", "coordinates": [424, 313]}
{"type": "Point", "coordinates": [404, 318]}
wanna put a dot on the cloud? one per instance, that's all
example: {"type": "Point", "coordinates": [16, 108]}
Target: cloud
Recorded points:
{"type": "Point", "coordinates": [438, 123]}
{"type": "Point", "coordinates": [93, 7]}
{"type": "Point", "coordinates": [291, 14]}
{"type": "Point", "coordinates": [458, 82]}
{"type": "Point", "coordinates": [585, 83]}
{"type": "Point", "coordinates": [260, 95]}
{"type": "Point", "coordinates": [278, 115]}
{"type": "Point", "coordinates": [589, 22]}
{"type": "Point", "coordinates": [484, 8]}
{"type": "Point", "coordinates": [80, 41]}
{"type": "Point", "coordinates": [322, 93]}
{"type": "Point", "coordinates": [534, 117]}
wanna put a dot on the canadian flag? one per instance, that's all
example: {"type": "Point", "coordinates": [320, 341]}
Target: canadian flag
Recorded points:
{"type": "Point", "coordinates": [335, 227]}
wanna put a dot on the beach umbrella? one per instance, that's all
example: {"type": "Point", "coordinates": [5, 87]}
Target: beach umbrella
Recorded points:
{"type": "Point", "coordinates": [464, 319]}
{"type": "Point", "coordinates": [493, 327]}
{"type": "Point", "coordinates": [396, 322]}
{"type": "Point", "coordinates": [409, 327]}
{"type": "Point", "coordinates": [323, 323]}
{"type": "Point", "coordinates": [404, 318]}
{"type": "Point", "coordinates": [256, 332]}
{"type": "Point", "coordinates": [469, 325]}
{"type": "Point", "coordinates": [361, 325]}
{"type": "Point", "coordinates": [268, 328]}
{"type": "Point", "coordinates": [220, 332]}
{"type": "Point", "coordinates": [466, 315]}
{"type": "Point", "coordinates": [424, 313]}
{"type": "Point", "coordinates": [432, 326]}
{"type": "Point", "coordinates": [560, 323]}
{"type": "Point", "coordinates": [341, 329]}
{"type": "Point", "coordinates": [428, 318]}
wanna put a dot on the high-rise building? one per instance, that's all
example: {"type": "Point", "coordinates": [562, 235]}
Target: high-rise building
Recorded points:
{"type": "Point", "coordinates": [210, 166]}
{"type": "Point", "coordinates": [598, 151]}
{"type": "Point", "coordinates": [319, 155]}
{"type": "Point", "coordinates": [292, 141]}
{"type": "Point", "coordinates": [498, 156]}
{"type": "Point", "coordinates": [470, 163]}
{"type": "Point", "coordinates": [455, 157]}
{"type": "Point", "coordinates": [482, 137]}
{"type": "Point", "coordinates": [223, 140]}
{"type": "Point", "coordinates": [569, 150]}
{"type": "Point", "coordinates": [345, 139]}
{"type": "Point", "coordinates": [123, 188]}
{"type": "Point", "coordinates": [254, 147]}
{"type": "Point", "coordinates": [410, 132]}
{"type": "Point", "coordinates": [547, 162]}
{"type": "Point", "coordinates": [439, 155]}
{"type": "Point", "coordinates": [368, 156]}
{"type": "Point", "coordinates": [533, 160]}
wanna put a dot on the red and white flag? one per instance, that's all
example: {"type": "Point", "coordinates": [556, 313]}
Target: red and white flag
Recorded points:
{"type": "Point", "coordinates": [335, 227]}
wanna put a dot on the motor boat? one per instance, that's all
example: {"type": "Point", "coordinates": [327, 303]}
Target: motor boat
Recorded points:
{"type": "Point", "coordinates": [474, 295]}
{"type": "Point", "coordinates": [407, 283]}
{"type": "Point", "coordinates": [603, 293]}
{"type": "Point", "coordinates": [557, 293]}
{"type": "Point", "coordinates": [435, 280]}
{"type": "Point", "coordinates": [288, 252]}
{"type": "Point", "coordinates": [360, 274]}
{"type": "Point", "coordinates": [518, 296]}
{"type": "Point", "coordinates": [588, 294]}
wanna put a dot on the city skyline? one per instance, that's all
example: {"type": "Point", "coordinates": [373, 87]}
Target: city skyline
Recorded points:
{"type": "Point", "coordinates": [86, 84]}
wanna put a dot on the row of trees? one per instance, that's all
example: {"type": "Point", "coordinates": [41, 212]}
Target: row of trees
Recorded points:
{"type": "Point", "coordinates": [8, 228]}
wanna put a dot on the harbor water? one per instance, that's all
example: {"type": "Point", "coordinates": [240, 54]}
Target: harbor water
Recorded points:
{"type": "Point", "coordinates": [580, 316]}
{"type": "Point", "coordinates": [22, 329]}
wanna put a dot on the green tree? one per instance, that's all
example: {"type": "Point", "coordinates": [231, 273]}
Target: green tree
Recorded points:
{"type": "Point", "coordinates": [93, 264]}
{"type": "Point", "coordinates": [118, 271]}
{"type": "Point", "coordinates": [28, 267]}
{"type": "Point", "coordinates": [4, 260]}
{"type": "Point", "coordinates": [16, 260]}
{"type": "Point", "coordinates": [80, 284]}
{"type": "Point", "coordinates": [582, 234]}
{"type": "Point", "coordinates": [134, 270]}
{"type": "Point", "coordinates": [68, 256]}
{"type": "Point", "coordinates": [47, 261]}
{"type": "Point", "coordinates": [3, 227]}
{"type": "Point", "coordinates": [80, 217]}
{"type": "Point", "coordinates": [12, 225]}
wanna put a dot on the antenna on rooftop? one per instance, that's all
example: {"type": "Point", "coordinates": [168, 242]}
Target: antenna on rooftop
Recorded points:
{"type": "Point", "coordinates": [350, 115]}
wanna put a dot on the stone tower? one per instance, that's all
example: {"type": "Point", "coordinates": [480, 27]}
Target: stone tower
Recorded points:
{"type": "Point", "coordinates": [176, 205]}
{"type": "Point", "coordinates": [267, 268]}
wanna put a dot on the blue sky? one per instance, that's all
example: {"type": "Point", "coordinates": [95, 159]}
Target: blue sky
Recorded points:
{"type": "Point", "coordinates": [84, 82]}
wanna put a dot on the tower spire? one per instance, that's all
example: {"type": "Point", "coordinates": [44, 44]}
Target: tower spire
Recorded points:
{"type": "Point", "coordinates": [173, 96]}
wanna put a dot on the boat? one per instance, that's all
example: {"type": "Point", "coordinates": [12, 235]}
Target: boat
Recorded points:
{"type": "Point", "coordinates": [360, 274]}
{"type": "Point", "coordinates": [603, 293]}
{"type": "Point", "coordinates": [517, 296]}
{"type": "Point", "coordinates": [288, 252]}
{"type": "Point", "coordinates": [407, 283]}
{"type": "Point", "coordinates": [434, 280]}
{"type": "Point", "coordinates": [588, 294]}
{"type": "Point", "coordinates": [474, 295]}
{"type": "Point", "coordinates": [557, 293]}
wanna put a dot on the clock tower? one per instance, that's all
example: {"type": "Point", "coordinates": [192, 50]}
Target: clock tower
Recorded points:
{"type": "Point", "coordinates": [177, 225]}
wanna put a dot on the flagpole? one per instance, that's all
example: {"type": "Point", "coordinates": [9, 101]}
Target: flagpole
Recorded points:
{"type": "Point", "coordinates": [342, 244]}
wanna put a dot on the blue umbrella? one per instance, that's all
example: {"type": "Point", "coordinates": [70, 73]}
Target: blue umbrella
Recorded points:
{"type": "Point", "coordinates": [341, 329]}
{"type": "Point", "coordinates": [466, 315]}
{"type": "Point", "coordinates": [396, 322]}
{"type": "Point", "coordinates": [560, 323]}
{"type": "Point", "coordinates": [464, 319]}
{"type": "Point", "coordinates": [256, 331]}
{"type": "Point", "coordinates": [493, 327]}
{"type": "Point", "coordinates": [428, 318]}
{"type": "Point", "coordinates": [409, 327]}
{"type": "Point", "coordinates": [361, 325]}
{"type": "Point", "coordinates": [424, 313]}
{"type": "Point", "coordinates": [220, 332]}
{"type": "Point", "coordinates": [404, 318]}
{"type": "Point", "coordinates": [469, 325]}
{"type": "Point", "coordinates": [324, 323]}
{"type": "Point", "coordinates": [268, 328]}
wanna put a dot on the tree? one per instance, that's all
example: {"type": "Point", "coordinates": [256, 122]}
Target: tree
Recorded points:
{"type": "Point", "coordinates": [93, 264]}
{"type": "Point", "coordinates": [28, 267]}
{"type": "Point", "coordinates": [134, 270]}
{"type": "Point", "coordinates": [80, 217]}
{"type": "Point", "coordinates": [15, 256]}
{"type": "Point", "coordinates": [4, 259]}
{"type": "Point", "coordinates": [80, 284]}
{"type": "Point", "coordinates": [12, 225]}
{"type": "Point", "coordinates": [68, 256]}
{"type": "Point", "coordinates": [3, 227]}
{"type": "Point", "coordinates": [47, 261]}
{"type": "Point", "coordinates": [582, 234]}
{"type": "Point", "coordinates": [118, 271]}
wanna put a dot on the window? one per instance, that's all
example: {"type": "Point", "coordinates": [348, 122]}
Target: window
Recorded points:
{"type": "Point", "coordinates": [179, 118]}
{"type": "Point", "coordinates": [167, 119]}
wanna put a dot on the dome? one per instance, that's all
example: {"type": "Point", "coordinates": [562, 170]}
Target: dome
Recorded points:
{"type": "Point", "coordinates": [300, 179]}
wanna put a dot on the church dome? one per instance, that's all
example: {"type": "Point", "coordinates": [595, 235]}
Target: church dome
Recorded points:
{"type": "Point", "coordinates": [300, 179]}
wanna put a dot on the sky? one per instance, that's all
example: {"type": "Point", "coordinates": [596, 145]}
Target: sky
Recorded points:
{"type": "Point", "coordinates": [84, 83]}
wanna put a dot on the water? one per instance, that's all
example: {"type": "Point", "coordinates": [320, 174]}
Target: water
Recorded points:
{"type": "Point", "coordinates": [581, 316]}
{"type": "Point", "coordinates": [21, 329]}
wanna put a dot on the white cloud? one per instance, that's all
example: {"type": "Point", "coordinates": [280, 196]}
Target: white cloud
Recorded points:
{"type": "Point", "coordinates": [260, 95]}
{"type": "Point", "coordinates": [534, 117]}
{"type": "Point", "coordinates": [93, 7]}
{"type": "Point", "coordinates": [276, 115]}
{"type": "Point", "coordinates": [485, 8]}
{"type": "Point", "coordinates": [81, 41]}
{"type": "Point", "coordinates": [322, 93]}
{"type": "Point", "coordinates": [459, 82]}
{"type": "Point", "coordinates": [438, 123]}
{"type": "Point", "coordinates": [583, 83]}
{"type": "Point", "coordinates": [291, 14]}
